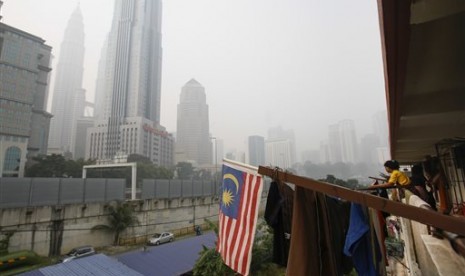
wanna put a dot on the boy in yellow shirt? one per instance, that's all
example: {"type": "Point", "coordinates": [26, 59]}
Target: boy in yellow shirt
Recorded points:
{"type": "Point", "coordinates": [396, 177]}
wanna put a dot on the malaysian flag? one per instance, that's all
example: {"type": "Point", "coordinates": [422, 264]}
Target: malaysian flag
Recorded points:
{"type": "Point", "coordinates": [240, 198]}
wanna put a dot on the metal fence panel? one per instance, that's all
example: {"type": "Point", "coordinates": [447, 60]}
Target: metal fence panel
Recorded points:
{"type": "Point", "coordinates": [94, 190]}
{"type": "Point", "coordinates": [71, 190]}
{"type": "Point", "coordinates": [45, 191]}
{"type": "Point", "coordinates": [207, 188]}
{"type": "Point", "coordinates": [175, 189]}
{"type": "Point", "coordinates": [162, 188]}
{"type": "Point", "coordinates": [197, 188]}
{"type": "Point", "coordinates": [14, 192]}
{"type": "Point", "coordinates": [115, 189]}
{"type": "Point", "coordinates": [186, 188]}
{"type": "Point", "coordinates": [148, 189]}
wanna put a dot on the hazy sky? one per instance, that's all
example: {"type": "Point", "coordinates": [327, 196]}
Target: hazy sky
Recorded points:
{"type": "Point", "coordinates": [299, 64]}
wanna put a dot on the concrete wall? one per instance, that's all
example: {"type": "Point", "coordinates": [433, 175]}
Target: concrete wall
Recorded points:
{"type": "Point", "coordinates": [53, 230]}
{"type": "Point", "coordinates": [427, 254]}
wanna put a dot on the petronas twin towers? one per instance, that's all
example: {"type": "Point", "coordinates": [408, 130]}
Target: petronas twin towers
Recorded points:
{"type": "Point", "coordinates": [127, 110]}
{"type": "Point", "coordinates": [68, 96]}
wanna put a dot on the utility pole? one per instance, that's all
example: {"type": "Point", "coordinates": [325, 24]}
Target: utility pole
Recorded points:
{"type": "Point", "coordinates": [216, 161]}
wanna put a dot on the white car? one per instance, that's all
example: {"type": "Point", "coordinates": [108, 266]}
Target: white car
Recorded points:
{"type": "Point", "coordinates": [161, 238]}
{"type": "Point", "coordinates": [78, 252]}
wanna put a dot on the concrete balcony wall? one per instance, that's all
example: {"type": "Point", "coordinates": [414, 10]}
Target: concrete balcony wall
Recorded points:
{"type": "Point", "coordinates": [427, 254]}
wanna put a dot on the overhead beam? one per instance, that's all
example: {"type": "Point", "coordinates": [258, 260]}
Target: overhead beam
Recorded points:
{"type": "Point", "coordinates": [434, 103]}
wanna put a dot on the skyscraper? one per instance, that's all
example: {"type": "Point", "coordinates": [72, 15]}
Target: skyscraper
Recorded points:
{"type": "Point", "coordinates": [348, 141]}
{"type": "Point", "coordinates": [281, 139]}
{"type": "Point", "coordinates": [343, 142]}
{"type": "Point", "coordinates": [24, 121]}
{"type": "Point", "coordinates": [192, 136]}
{"type": "Point", "coordinates": [256, 150]}
{"type": "Point", "coordinates": [129, 119]}
{"type": "Point", "coordinates": [278, 153]}
{"type": "Point", "coordinates": [68, 97]}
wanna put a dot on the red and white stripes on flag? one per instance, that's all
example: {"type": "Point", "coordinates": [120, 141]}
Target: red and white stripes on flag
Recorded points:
{"type": "Point", "coordinates": [240, 199]}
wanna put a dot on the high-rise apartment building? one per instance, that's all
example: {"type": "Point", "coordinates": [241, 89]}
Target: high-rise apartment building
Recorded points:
{"type": "Point", "coordinates": [129, 118]}
{"type": "Point", "coordinates": [256, 150]}
{"type": "Point", "coordinates": [368, 150]}
{"type": "Point", "coordinates": [349, 145]}
{"type": "Point", "coordinates": [193, 142]}
{"type": "Point", "coordinates": [68, 96]}
{"type": "Point", "coordinates": [24, 78]}
{"type": "Point", "coordinates": [99, 95]}
{"type": "Point", "coordinates": [342, 142]}
{"type": "Point", "coordinates": [278, 153]}
{"type": "Point", "coordinates": [280, 135]}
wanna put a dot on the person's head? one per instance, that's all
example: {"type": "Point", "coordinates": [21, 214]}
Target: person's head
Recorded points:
{"type": "Point", "coordinates": [391, 165]}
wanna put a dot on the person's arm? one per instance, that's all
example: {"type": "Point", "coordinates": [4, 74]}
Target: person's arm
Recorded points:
{"type": "Point", "coordinates": [384, 185]}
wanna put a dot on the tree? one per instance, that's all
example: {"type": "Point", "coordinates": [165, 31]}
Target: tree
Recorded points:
{"type": "Point", "coordinates": [211, 263]}
{"type": "Point", "coordinates": [185, 170]}
{"type": "Point", "coordinates": [55, 166]}
{"type": "Point", "coordinates": [134, 157]}
{"type": "Point", "coordinates": [47, 166]}
{"type": "Point", "coordinates": [120, 217]}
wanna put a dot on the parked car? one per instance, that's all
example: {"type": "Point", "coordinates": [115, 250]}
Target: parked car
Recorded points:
{"type": "Point", "coordinates": [161, 238]}
{"type": "Point", "coordinates": [78, 252]}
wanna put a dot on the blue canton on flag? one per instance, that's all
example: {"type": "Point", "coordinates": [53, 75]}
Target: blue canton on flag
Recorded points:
{"type": "Point", "coordinates": [233, 181]}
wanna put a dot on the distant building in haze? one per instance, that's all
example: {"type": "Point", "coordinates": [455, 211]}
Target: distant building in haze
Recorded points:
{"type": "Point", "coordinates": [24, 77]}
{"type": "Point", "coordinates": [325, 153]}
{"type": "Point", "coordinates": [100, 95]}
{"type": "Point", "coordinates": [278, 134]}
{"type": "Point", "coordinates": [334, 144]}
{"type": "Point", "coordinates": [349, 145]}
{"type": "Point", "coordinates": [369, 149]}
{"type": "Point", "coordinates": [342, 142]}
{"type": "Point", "coordinates": [82, 125]}
{"type": "Point", "coordinates": [193, 143]}
{"type": "Point", "coordinates": [278, 153]}
{"type": "Point", "coordinates": [129, 119]}
{"type": "Point", "coordinates": [219, 154]}
{"type": "Point", "coordinates": [256, 145]}
{"type": "Point", "coordinates": [68, 96]}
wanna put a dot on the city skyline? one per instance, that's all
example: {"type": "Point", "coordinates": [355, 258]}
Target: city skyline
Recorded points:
{"type": "Point", "coordinates": [297, 78]}
{"type": "Point", "coordinates": [130, 88]}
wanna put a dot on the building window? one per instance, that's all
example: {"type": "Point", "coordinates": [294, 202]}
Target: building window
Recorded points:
{"type": "Point", "coordinates": [12, 159]}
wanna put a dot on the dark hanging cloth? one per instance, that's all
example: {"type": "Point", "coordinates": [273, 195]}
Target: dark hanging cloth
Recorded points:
{"type": "Point", "coordinates": [339, 218]}
{"type": "Point", "coordinates": [360, 244]}
{"type": "Point", "coordinates": [314, 248]}
{"type": "Point", "coordinates": [278, 215]}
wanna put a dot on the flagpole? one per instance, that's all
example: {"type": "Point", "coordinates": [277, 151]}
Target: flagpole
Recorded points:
{"type": "Point", "coordinates": [243, 165]}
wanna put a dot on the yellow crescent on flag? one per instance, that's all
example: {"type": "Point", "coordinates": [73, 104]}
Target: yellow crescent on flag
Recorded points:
{"type": "Point", "coordinates": [234, 179]}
